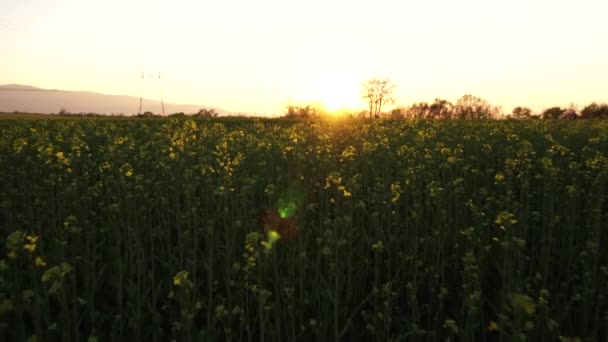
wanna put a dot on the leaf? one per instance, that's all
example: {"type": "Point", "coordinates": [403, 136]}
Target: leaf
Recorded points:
{"type": "Point", "coordinates": [56, 286]}
{"type": "Point", "coordinates": [6, 306]}
{"type": "Point", "coordinates": [15, 239]}
{"type": "Point", "coordinates": [524, 303]}
{"type": "Point", "coordinates": [27, 294]}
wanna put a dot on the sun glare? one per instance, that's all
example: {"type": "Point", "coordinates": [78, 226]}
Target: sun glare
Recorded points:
{"type": "Point", "coordinates": [338, 95]}
{"type": "Point", "coordinates": [336, 104]}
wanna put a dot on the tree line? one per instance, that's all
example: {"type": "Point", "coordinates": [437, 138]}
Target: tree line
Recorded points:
{"type": "Point", "coordinates": [379, 93]}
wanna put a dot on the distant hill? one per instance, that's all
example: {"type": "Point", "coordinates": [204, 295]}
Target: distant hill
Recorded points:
{"type": "Point", "coordinates": [28, 99]}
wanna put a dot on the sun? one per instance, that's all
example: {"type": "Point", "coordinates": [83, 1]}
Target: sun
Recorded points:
{"type": "Point", "coordinates": [337, 103]}
{"type": "Point", "coordinates": [338, 94]}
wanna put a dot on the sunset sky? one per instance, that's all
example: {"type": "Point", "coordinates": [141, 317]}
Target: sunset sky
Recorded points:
{"type": "Point", "coordinates": [259, 56]}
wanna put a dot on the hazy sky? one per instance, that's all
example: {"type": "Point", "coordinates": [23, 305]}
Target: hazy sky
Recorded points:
{"type": "Point", "coordinates": [258, 56]}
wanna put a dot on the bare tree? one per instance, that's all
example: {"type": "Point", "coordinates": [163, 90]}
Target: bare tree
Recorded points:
{"type": "Point", "coordinates": [377, 92]}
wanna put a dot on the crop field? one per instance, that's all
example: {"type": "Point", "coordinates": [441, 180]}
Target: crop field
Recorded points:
{"type": "Point", "coordinates": [278, 230]}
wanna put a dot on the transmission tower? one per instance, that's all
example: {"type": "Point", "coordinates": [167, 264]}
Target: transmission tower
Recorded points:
{"type": "Point", "coordinates": [141, 92]}
{"type": "Point", "coordinates": [162, 101]}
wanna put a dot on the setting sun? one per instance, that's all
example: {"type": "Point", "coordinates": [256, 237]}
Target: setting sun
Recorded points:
{"type": "Point", "coordinates": [338, 93]}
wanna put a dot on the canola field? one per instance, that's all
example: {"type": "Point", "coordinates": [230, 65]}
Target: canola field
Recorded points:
{"type": "Point", "coordinates": [279, 230]}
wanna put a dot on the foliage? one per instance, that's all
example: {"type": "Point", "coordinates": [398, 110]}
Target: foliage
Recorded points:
{"type": "Point", "coordinates": [420, 110]}
{"type": "Point", "coordinates": [521, 113]}
{"type": "Point", "coordinates": [397, 113]}
{"type": "Point", "coordinates": [147, 115]}
{"type": "Point", "coordinates": [439, 109]}
{"type": "Point", "coordinates": [473, 107]}
{"type": "Point", "coordinates": [309, 111]}
{"type": "Point", "coordinates": [553, 113]}
{"type": "Point", "coordinates": [298, 230]}
{"type": "Point", "coordinates": [595, 111]}
{"type": "Point", "coordinates": [206, 113]}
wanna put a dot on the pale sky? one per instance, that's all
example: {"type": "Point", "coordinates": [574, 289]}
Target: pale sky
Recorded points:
{"type": "Point", "coordinates": [261, 55]}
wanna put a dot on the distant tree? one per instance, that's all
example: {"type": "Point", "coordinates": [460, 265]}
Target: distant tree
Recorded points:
{"type": "Point", "coordinates": [472, 107]}
{"type": "Point", "coordinates": [177, 115]}
{"type": "Point", "coordinates": [146, 115]}
{"type": "Point", "coordinates": [397, 113]}
{"type": "Point", "coordinates": [521, 113]}
{"type": "Point", "coordinates": [552, 113]}
{"type": "Point", "coordinates": [569, 114]}
{"type": "Point", "coordinates": [63, 111]}
{"type": "Point", "coordinates": [440, 109]}
{"type": "Point", "coordinates": [595, 111]}
{"type": "Point", "coordinates": [207, 113]}
{"type": "Point", "coordinates": [418, 110]}
{"type": "Point", "coordinates": [361, 115]}
{"type": "Point", "coordinates": [377, 92]}
{"type": "Point", "coordinates": [304, 112]}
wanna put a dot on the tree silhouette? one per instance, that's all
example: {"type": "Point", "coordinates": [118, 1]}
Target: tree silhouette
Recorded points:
{"type": "Point", "coordinates": [418, 110]}
{"type": "Point", "coordinates": [552, 113]}
{"type": "Point", "coordinates": [595, 111]}
{"type": "Point", "coordinates": [440, 109]}
{"type": "Point", "coordinates": [305, 112]}
{"type": "Point", "coordinates": [521, 113]}
{"type": "Point", "coordinates": [473, 107]}
{"type": "Point", "coordinates": [377, 92]}
{"type": "Point", "coordinates": [207, 113]}
{"type": "Point", "coordinates": [397, 113]}
{"type": "Point", "coordinates": [569, 114]}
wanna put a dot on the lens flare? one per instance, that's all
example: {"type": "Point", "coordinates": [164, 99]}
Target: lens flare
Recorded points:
{"type": "Point", "coordinates": [290, 201]}
{"type": "Point", "coordinates": [277, 228]}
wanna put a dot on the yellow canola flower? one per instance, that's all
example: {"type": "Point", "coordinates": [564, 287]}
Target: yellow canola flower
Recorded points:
{"type": "Point", "coordinates": [493, 326]}
{"type": "Point", "coordinates": [32, 238]}
{"type": "Point", "coordinates": [499, 177]}
{"type": "Point", "coordinates": [273, 236]}
{"type": "Point", "coordinates": [345, 192]}
{"type": "Point", "coordinates": [180, 278]}
{"type": "Point", "coordinates": [39, 262]}
{"type": "Point", "coordinates": [30, 247]}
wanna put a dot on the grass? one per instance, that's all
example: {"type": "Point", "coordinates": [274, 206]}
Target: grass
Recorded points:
{"type": "Point", "coordinates": [130, 229]}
